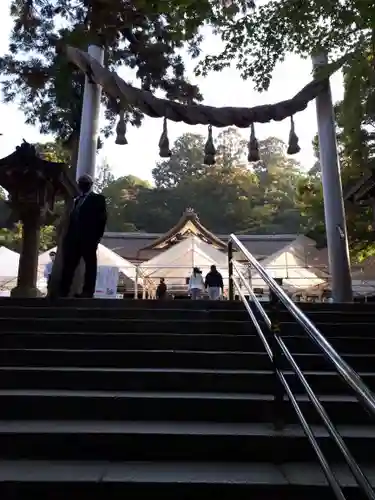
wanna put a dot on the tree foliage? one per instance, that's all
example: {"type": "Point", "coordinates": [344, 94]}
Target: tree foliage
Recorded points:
{"type": "Point", "coordinates": [143, 35]}
{"type": "Point", "coordinates": [122, 201]}
{"type": "Point", "coordinates": [53, 151]}
{"type": "Point", "coordinates": [355, 117]}
{"type": "Point", "coordinates": [12, 238]}
{"type": "Point", "coordinates": [262, 36]}
{"type": "Point", "coordinates": [103, 176]}
{"type": "Point", "coordinates": [229, 196]}
{"type": "Point", "coordinates": [356, 135]}
{"type": "Point", "coordinates": [186, 160]}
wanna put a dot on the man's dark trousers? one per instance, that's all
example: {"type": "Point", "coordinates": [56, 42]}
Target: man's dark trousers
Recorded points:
{"type": "Point", "coordinates": [73, 251]}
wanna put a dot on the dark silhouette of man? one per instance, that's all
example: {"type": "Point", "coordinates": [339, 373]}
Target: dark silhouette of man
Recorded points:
{"type": "Point", "coordinates": [161, 291]}
{"type": "Point", "coordinates": [85, 230]}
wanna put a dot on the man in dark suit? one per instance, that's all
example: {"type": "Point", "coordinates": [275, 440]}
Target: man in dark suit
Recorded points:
{"type": "Point", "coordinates": [85, 230]}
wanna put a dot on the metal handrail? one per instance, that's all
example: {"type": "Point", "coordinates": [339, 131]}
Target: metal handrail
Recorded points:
{"type": "Point", "coordinates": [356, 470]}
{"type": "Point", "coordinates": [360, 477]}
{"type": "Point", "coordinates": [349, 375]}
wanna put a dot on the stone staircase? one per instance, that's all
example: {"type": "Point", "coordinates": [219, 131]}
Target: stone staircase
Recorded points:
{"type": "Point", "coordinates": [172, 398]}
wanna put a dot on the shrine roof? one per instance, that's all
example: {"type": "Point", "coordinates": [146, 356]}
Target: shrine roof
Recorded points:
{"type": "Point", "coordinates": [363, 189]}
{"type": "Point", "coordinates": [136, 246]}
{"type": "Point", "coordinates": [188, 225]}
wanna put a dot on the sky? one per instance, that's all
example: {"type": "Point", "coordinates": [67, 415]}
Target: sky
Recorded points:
{"type": "Point", "coordinates": [219, 89]}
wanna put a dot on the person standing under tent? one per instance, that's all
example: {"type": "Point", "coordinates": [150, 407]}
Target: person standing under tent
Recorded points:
{"type": "Point", "coordinates": [86, 228]}
{"type": "Point", "coordinates": [48, 268]}
{"type": "Point", "coordinates": [161, 291]}
{"type": "Point", "coordinates": [214, 284]}
{"type": "Point", "coordinates": [196, 284]}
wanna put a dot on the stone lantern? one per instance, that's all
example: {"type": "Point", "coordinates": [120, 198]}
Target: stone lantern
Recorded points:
{"type": "Point", "coordinates": [33, 185]}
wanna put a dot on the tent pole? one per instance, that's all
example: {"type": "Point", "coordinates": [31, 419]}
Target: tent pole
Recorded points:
{"type": "Point", "coordinates": [192, 253]}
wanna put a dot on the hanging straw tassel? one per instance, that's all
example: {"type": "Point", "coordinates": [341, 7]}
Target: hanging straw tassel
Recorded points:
{"type": "Point", "coordinates": [253, 146]}
{"type": "Point", "coordinates": [293, 146]}
{"type": "Point", "coordinates": [209, 149]}
{"type": "Point", "coordinates": [164, 151]}
{"type": "Point", "coordinates": [121, 130]}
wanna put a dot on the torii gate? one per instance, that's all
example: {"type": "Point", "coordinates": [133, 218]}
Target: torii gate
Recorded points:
{"type": "Point", "coordinates": [99, 77]}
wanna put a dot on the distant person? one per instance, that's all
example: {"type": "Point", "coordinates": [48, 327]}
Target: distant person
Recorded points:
{"type": "Point", "coordinates": [48, 268]}
{"type": "Point", "coordinates": [214, 284]}
{"type": "Point", "coordinates": [161, 290]}
{"type": "Point", "coordinates": [85, 230]}
{"type": "Point", "coordinates": [196, 284]}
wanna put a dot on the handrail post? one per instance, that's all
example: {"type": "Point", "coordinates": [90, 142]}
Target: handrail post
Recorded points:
{"type": "Point", "coordinates": [136, 282]}
{"type": "Point", "coordinates": [278, 416]}
{"type": "Point", "coordinates": [230, 270]}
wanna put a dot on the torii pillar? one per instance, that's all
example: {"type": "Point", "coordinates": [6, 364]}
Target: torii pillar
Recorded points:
{"type": "Point", "coordinates": [334, 212]}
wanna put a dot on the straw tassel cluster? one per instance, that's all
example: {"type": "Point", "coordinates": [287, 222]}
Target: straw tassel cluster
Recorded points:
{"type": "Point", "coordinates": [209, 149]}
{"type": "Point", "coordinates": [121, 130]}
{"type": "Point", "coordinates": [164, 150]}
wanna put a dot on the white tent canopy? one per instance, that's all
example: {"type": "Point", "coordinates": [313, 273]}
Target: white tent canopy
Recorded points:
{"type": "Point", "coordinates": [366, 271]}
{"type": "Point", "coordinates": [295, 264]}
{"type": "Point", "coordinates": [363, 287]}
{"type": "Point", "coordinates": [9, 261]}
{"type": "Point", "coordinates": [176, 263]}
{"type": "Point", "coordinates": [106, 257]}
{"type": "Point", "coordinates": [363, 280]}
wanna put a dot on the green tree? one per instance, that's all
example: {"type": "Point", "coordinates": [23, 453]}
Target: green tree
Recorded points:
{"type": "Point", "coordinates": [186, 161]}
{"type": "Point", "coordinates": [143, 35]}
{"type": "Point", "coordinates": [356, 126]}
{"type": "Point", "coordinates": [12, 238]}
{"type": "Point", "coordinates": [103, 177]}
{"type": "Point", "coordinates": [53, 151]}
{"type": "Point", "coordinates": [122, 196]}
{"type": "Point", "coordinates": [229, 196]}
{"type": "Point", "coordinates": [278, 176]}
{"type": "Point", "coordinates": [187, 157]}
{"type": "Point", "coordinates": [359, 219]}
{"type": "Point", "coordinates": [257, 198]}
{"type": "Point", "coordinates": [356, 117]}
{"type": "Point", "coordinates": [156, 209]}
{"type": "Point", "coordinates": [224, 198]}
{"type": "Point", "coordinates": [261, 37]}
{"type": "Point", "coordinates": [231, 149]}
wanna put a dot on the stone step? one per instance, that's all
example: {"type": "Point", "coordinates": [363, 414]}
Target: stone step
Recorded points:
{"type": "Point", "coordinates": [174, 441]}
{"type": "Point", "coordinates": [15, 324]}
{"type": "Point", "coordinates": [171, 379]}
{"type": "Point", "coordinates": [154, 358]}
{"type": "Point", "coordinates": [127, 313]}
{"type": "Point", "coordinates": [195, 406]}
{"type": "Point", "coordinates": [159, 313]}
{"type": "Point", "coordinates": [185, 480]}
{"type": "Point", "coordinates": [66, 324]}
{"type": "Point", "coordinates": [184, 303]}
{"type": "Point", "coordinates": [175, 341]}
{"type": "Point", "coordinates": [123, 303]}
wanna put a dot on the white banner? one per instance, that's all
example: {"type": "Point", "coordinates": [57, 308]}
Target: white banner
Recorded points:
{"type": "Point", "coordinates": [106, 282]}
